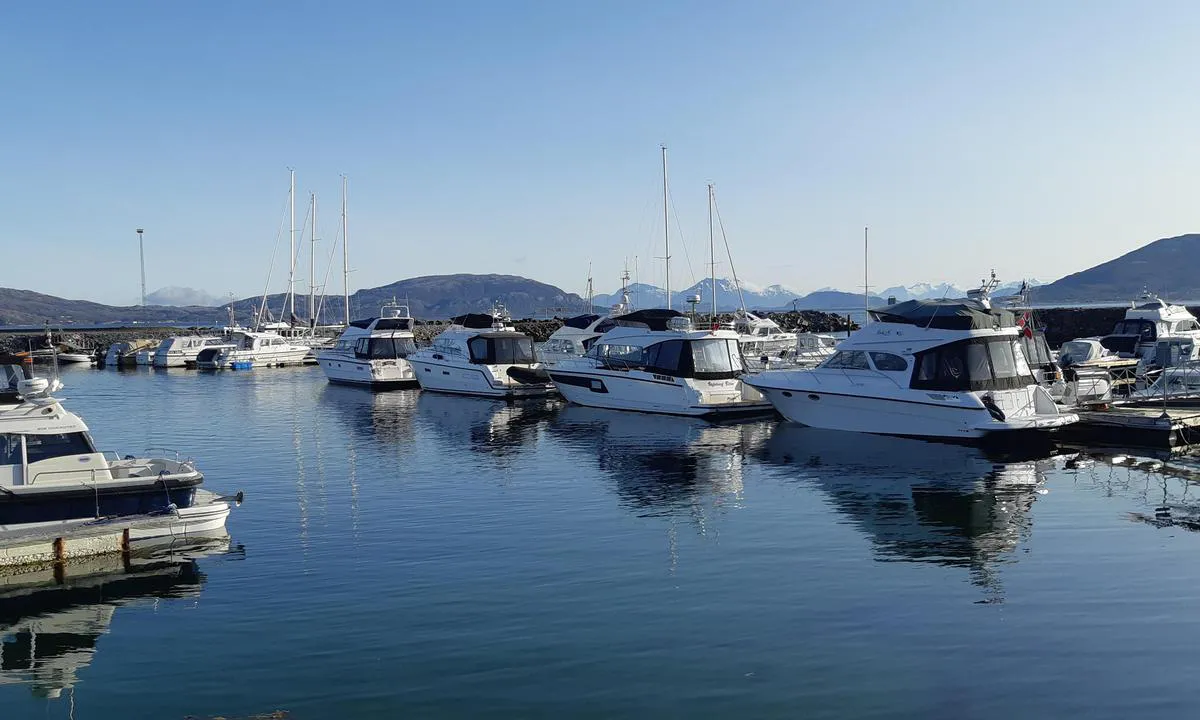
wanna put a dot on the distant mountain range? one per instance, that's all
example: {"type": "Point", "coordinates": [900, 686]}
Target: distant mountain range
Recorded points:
{"type": "Point", "coordinates": [1169, 267]}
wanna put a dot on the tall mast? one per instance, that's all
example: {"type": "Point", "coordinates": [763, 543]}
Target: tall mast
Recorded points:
{"type": "Point", "coordinates": [666, 227]}
{"type": "Point", "coordinates": [291, 306]}
{"type": "Point", "coordinates": [345, 261]}
{"type": "Point", "coordinates": [142, 255]}
{"type": "Point", "coordinates": [712, 257]}
{"type": "Point", "coordinates": [312, 268]}
{"type": "Point", "coordinates": [866, 283]}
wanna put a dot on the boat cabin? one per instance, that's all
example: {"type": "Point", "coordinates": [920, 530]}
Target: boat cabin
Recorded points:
{"type": "Point", "coordinates": [383, 348]}
{"type": "Point", "coordinates": [700, 359]}
{"type": "Point", "coordinates": [501, 348]}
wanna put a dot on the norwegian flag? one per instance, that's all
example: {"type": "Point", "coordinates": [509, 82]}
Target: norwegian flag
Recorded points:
{"type": "Point", "coordinates": [1025, 322]}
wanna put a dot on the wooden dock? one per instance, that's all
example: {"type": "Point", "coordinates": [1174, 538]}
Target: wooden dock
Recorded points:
{"type": "Point", "coordinates": [1126, 426]}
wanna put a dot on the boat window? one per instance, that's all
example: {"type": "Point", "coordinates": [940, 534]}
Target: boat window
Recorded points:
{"type": "Point", "coordinates": [715, 359]}
{"type": "Point", "coordinates": [888, 362]}
{"type": "Point", "coordinates": [10, 449]}
{"type": "Point", "coordinates": [664, 357]}
{"type": "Point", "coordinates": [971, 365]}
{"type": "Point", "coordinates": [516, 350]}
{"type": "Point", "coordinates": [390, 348]}
{"type": "Point", "coordinates": [847, 360]}
{"type": "Point", "coordinates": [1074, 352]}
{"type": "Point", "coordinates": [1004, 363]}
{"type": "Point", "coordinates": [1037, 352]}
{"type": "Point", "coordinates": [1144, 329]}
{"type": "Point", "coordinates": [44, 447]}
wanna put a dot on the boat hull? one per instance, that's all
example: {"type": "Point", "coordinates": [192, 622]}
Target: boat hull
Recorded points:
{"type": "Point", "coordinates": [29, 505]}
{"type": "Point", "coordinates": [380, 375]}
{"type": "Point", "coordinates": [664, 396]}
{"type": "Point", "coordinates": [476, 380]}
{"type": "Point", "coordinates": [922, 418]}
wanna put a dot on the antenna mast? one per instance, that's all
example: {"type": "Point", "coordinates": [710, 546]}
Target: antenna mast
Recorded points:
{"type": "Point", "coordinates": [866, 284]}
{"type": "Point", "coordinates": [666, 227]}
{"type": "Point", "coordinates": [345, 261]}
{"type": "Point", "coordinates": [312, 268]}
{"type": "Point", "coordinates": [712, 256]}
{"type": "Point", "coordinates": [291, 304]}
{"type": "Point", "coordinates": [142, 255]}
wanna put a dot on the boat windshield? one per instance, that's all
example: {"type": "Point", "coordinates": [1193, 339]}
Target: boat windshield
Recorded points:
{"type": "Point", "coordinates": [502, 350]}
{"type": "Point", "coordinates": [1037, 352]}
{"type": "Point", "coordinates": [390, 348]}
{"type": "Point", "coordinates": [1144, 329]}
{"type": "Point", "coordinates": [715, 359]}
{"type": "Point", "coordinates": [1074, 352]}
{"type": "Point", "coordinates": [975, 364]}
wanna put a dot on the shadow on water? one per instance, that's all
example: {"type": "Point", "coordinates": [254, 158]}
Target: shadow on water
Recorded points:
{"type": "Point", "coordinates": [920, 501]}
{"type": "Point", "coordinates": [51, 618]}
{"type": "Point", "coordinates": [482, 425]}
{"type": "Point", "coordinates": [662, 464]}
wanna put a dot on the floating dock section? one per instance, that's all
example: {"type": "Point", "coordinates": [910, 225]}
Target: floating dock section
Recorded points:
{"type": "Point", "coordinates": [79, 540]}
{"type": "Point", "coordinates": [1128, 426]}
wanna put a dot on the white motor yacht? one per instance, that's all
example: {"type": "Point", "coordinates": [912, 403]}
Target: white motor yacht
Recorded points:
{"type": "Point", "coordinates": [945, 369]}
{"type": "Point", "coordinates": [247, 349]}
{"type": "Point", "coordinates": [762, 337]}
{"type": "Point", "coordinates": [52, 475]}
{"type": "Point", "coordinates": [814, 348]}
{"type": "Point", "coordinates": [181, 350]}
{"type": "Point", "coordinates": [655, 361]}
{"type": "Point", "coordinates": [1148, 320]}
{"type": "Point", "coordinates": [481, 354]}
{"type": "Point", "coordinates": [578, 333]}
{"type": "Point", "coordinates": [373, 352]}
{"type": "Point", "coordinates": [124, 354]}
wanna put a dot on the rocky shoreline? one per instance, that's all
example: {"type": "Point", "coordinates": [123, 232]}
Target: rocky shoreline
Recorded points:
{"type": "Point", "coordinates": [1061, 324]}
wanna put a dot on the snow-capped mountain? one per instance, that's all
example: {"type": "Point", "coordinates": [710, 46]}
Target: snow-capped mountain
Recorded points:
{"type": "Point", "coordinates": [756, 296]}
{"type": "Point", "coordinates": [923, 291]}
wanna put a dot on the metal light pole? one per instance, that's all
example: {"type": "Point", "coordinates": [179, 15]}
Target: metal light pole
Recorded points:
{"type": "Point", "coordinates": [142, 253]}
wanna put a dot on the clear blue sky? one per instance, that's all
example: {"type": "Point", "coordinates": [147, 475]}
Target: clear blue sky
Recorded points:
{"type": "Point", "coordinates": [522, 137]}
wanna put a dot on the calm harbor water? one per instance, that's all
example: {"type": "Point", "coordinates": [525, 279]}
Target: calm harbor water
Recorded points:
{"type": "Point", "coordinates": [408, 554]}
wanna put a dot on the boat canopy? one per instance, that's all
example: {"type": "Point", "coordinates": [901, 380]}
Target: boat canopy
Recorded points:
{"type": "Point", "coordinates": [654, 319]}
{"type": "Point", "coordinates": [581, 322]}
{"type": "Point", "coordinates": [946, 315]}
{"type": "Point", "coordinates": [475, 321]}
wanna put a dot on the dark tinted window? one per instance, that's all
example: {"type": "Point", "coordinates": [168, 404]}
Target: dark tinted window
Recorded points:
{"type": "Point", "coordinates": [666, 359]}
{"type": "Point", "coordinates": [888, 362]}
{"type": "Point", "coordinates": [479, 350]}
{"type": "Point", "coordinates": [10, 449]}
{"type": "Point", "coordinates": [847, 360]}
{"type": "Point", "coordinates": [43, 447]}
{"type": "Point", "coordinates": [969, 365]}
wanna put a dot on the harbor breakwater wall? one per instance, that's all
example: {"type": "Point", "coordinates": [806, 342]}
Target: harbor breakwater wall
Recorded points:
{"type": "Point", "coordinates": [1061, 324]}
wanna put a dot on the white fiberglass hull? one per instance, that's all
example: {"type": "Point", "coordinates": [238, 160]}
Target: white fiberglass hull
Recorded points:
{"type": "Point", "coordinates": [911, 413]}
{"type": "Point", "coordinates": [175, 359]}
{"type": "Point", "coordinates": [245, 359]}
{"type": "Point", "coordinates": [379, 374]}
{"type": "Point", "coordinates": [640, 391]}
{"type": "Point", "coordinates": [471, 379]}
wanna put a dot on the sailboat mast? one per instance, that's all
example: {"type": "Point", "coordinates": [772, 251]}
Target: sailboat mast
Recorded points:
{"type": "Point", "coordinates": [712, 257]}
{"type": "Point", "coordinates": [291, 308]}
{"type": "Point", "coordinates": [345, 261]}
{"type": "Point", "coordinates": [666, 227]}
{"type": "Point", "coordinates": [866, 282]}
{"type": "Point", "coordinates": [312, 268]}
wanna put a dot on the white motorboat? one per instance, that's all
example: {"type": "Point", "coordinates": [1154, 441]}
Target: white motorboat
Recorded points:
{"type": "Point", "coordinates": [814, 348]}
{"type": "Point", "coordinates": [53, 477]}
{"type": "Point", "coordinates": [373, 352]}
{"type": "Point", "coordinates": [124, 354]}
{"type": "Point", "coordinates": [181, 350]}
{"type": "Point", "coordinates": [655, 361]}
{"type": "Point", "coordinates": [481, 354]}
{"type": "Point", "coordinates": [247, 349]}
{"type": "Point", "coordinates": [145, 356]}
{"type": "Point", "coordinates": [1148, 320]}
{"type": "Point", "coordinates": [945, 369]}
{"type": "Point", "coordinates": [578, 333]}
{"type": "Point", "coordinates": [761, 337]}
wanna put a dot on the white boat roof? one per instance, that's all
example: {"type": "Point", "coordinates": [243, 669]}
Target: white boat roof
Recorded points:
{"type": "Point", "coordinates": [1156, 309]}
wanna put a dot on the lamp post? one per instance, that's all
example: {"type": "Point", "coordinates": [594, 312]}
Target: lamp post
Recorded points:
{"type": "Point", "coordinates": [142, 254]}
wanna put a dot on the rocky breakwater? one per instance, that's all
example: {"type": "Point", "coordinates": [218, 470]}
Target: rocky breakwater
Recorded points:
{"type": "Point", "coordinates": [86, 340]}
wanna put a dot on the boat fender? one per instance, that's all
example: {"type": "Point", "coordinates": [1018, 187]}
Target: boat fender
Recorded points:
{"type": "Point", "coordinates": [992, 408]}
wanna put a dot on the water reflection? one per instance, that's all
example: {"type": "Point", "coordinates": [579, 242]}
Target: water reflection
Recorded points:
{"type": "Point", "coordinates": [52, 618]}
{"type": "Point", "coordinates": [386, 415]}
{"type": "Point", "coordinates": [659, 463]}
{"type": "Point", "coordinates": [1165, 486]}
{"type": "Point", "coordinates": [920, 501]}
{"type": "Point", "coordinates": [482, 425]}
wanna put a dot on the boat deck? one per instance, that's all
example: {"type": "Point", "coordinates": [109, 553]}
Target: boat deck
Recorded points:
{"type": "Point", "coordinates": [1127, 426]}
